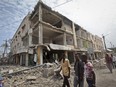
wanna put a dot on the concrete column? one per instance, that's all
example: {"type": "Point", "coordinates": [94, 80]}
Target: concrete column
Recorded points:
{"type": "Point", "coordinates": [64, 34]}
{"type": "Point", "coordinates": [74, 35]}
{"type": "Point", "coordinates": [30, 37]}
{"type": "Point", "coordinates": [40, 31]}
{"type": "Point", "coordinates": [21, 59]}
{"type": "Point", "coordinates": [64, 39]}
{"type": "Point", "coordinates": [39, 55]}
{"type": "Point", "coordinates": [27, 59]}
{"type": "Point", "coordinates": [81, 43]}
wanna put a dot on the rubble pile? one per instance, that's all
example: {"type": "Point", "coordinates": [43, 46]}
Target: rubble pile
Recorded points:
{"type": "Point", "coordinates": [34, 77]}
{"type": "Point", "coordinates": [11, 69]}
{"type": "Point", "coordinates": [99, 64]}
{"type": "Point", "coordinates": [37, 76]}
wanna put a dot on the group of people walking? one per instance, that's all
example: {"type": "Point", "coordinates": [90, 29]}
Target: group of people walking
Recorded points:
{"type": "Point", "coordinates": [82, 68]}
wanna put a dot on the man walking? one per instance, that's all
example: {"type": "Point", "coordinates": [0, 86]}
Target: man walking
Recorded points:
{"type": "Point", "coordinates": [79, 72]}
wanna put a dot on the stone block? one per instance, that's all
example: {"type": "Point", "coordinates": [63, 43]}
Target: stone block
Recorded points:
{"type": "Point", "coordinates": [48, 72]}
{"type": "Point", "coordinates": [31, 78]}
{"type": "Point", "coordinates": [10, 71]}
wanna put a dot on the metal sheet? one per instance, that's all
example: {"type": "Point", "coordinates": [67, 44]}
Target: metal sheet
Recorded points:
{"type": "Point", "coordinates": [59, 47]}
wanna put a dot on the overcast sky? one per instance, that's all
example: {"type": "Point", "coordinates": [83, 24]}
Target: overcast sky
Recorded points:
{"type": "Point", "coordinates": [96, 16]}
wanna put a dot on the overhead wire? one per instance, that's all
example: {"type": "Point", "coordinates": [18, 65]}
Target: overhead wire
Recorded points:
{"type": "Point", "coordinates": [16, 20]}
{"type": "Point", "coordinates": [62, 3]}
{"type": "Point", "coordinates": [28, 9]}
{"type": "Point", "coordinates": [6, 25]}
{"type": "Point", "coordinates": [11, 23]}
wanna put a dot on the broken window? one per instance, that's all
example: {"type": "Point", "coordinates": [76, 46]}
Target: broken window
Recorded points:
{"type": "Point", "coordinates": [55, 40]}
{"type": "Point", "coordinates": [25, 40]}
{"type": "Point", "coordinates": [35, 36]}
{"type": "Point", "coordinates": [19, 33]}
{"type": "Point", "coordinates": [77, 30]}
{"type": "Point", "coordinates": [78, 43]}
{"type": "Point", "coordinates": [23, 27]}
{"type": "Point", "coordinates": [67, 24]}
{"type": "Point", "coordinates": [69, 39]}
{"type": "Point", "coordinates": [51, 35]}
{"type": "Point", "coordinates": [34, 39]}
{"type": "Point", "coordinates": [58, 40]}
{"type": "Point", "coordinates": [51, 18]}
{"type": "Point", "coordinates": [16, 38]}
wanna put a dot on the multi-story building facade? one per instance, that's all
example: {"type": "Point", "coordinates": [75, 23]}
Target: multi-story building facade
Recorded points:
{"type": "Point", "coordinates": [20, 43]}
{"type": "Point", "coordinates": [87, 42]}
{"type": "Point", "coordinates": [98, 47]}
{"type": "Point", "coordinates": [44, 34]}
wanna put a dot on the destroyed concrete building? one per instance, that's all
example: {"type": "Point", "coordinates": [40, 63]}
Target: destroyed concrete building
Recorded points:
{"type": "Point", "coordinates": [44, 34]}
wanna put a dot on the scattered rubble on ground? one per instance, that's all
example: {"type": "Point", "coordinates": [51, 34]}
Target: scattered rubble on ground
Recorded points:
{"type": "Point", "coordinates": [99, 64]}
{"type": "Point", "coordinates": [40, 76]}
{"type": "Point", "coordinates": [10, 69]}
{"type": "Point", "coordinates": [37, 76]}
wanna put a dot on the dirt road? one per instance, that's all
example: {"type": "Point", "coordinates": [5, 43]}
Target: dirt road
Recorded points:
{"type": "Point", "coordinates": [105, 78]}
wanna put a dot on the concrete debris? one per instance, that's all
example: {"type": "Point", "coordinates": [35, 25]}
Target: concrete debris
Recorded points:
{"type": "Point", "coordinates": [47, 75]}
{"type": "Point", "coordinates": [25, 72]}
{"type": "Point", "coordinates": [58, 71]}
{"type": "Point", "coordinates": [47, 65]}
{"type": "Point", "coordinates": [99, 64]}
{"type": "Point", "coordinates": [31, 78]}
{"type": "Point", "coordinates": [34, 77]}
{"type": "Point", "coordinates": [48, 72]}
{"type": "Point", "coordinates": [10, 71]}
{"type": "Point", "coordinates": [4, 71]}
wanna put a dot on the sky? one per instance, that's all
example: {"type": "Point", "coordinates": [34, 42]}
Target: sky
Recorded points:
{"type": "Point", "coordinates": [96, 16]}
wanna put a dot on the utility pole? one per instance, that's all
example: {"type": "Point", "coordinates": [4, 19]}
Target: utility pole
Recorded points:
{"type": "Point", "coordinates": [114, 48]}
{"type": "Point", "coordinates": [111, 45]}
{"type": "Point", "coordinates": [5, 48]}
{"type": "Point", "coordinates": [104, 41]}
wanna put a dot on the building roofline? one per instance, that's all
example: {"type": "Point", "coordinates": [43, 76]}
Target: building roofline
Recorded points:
{"type": "Point", "coordinates": [50, 9]}
{"type": "Point", "coordinates": [59, 14]}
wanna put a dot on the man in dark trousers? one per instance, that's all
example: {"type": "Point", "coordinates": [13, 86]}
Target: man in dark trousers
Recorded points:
{"type": "Point", "coordinates": [79, 72]}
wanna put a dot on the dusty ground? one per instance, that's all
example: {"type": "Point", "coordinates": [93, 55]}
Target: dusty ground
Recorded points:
{"type": "Point", "coordinates": [104, 78]}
